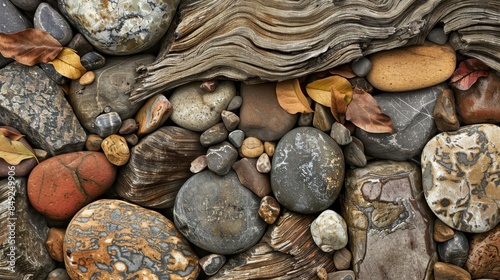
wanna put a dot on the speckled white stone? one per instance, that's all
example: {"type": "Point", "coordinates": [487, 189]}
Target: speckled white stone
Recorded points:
{"type": "Point", "coordinates": [329, 231]}
{"type": "Point", "coordinates": [120, 27]}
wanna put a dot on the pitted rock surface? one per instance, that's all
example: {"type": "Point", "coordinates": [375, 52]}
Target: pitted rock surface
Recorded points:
{"type": "Point", "coordinates": [114, 239]}
{"type": "Point", "coordinates": [460, 177]}
{"type": "Point", "coordinates": [483, 260]}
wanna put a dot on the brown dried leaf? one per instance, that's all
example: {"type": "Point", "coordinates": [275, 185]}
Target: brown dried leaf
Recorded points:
{"type": "Point", "coordinates": [364, 112]}
{"type": "Point", "coordinates": [343, 70]}
{"type": "Point", "coordinates": [467, 73]}
{"type": "Point", "coordinates": [291, 98]}
{"type": "Point", "coordinates": [67, 63]}
{"type": "Point", "coordinates": [321, 90]}
{"type": "Point", "coordinates": [339, 105]}
{"type": "Point", "coordinates": [30, 46]}
{"type": "Point", "coordinates": [13, 152]}
{"type": "Point", "coordinates": [11, 135]}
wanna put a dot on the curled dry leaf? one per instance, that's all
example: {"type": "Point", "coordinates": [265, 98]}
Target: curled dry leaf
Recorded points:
{"type": "Point", "coordinates": [291, 98]}
{"type": "Point", "coordinates": [364, 112]}
{"type": "Point", "coordinates": [467, 73]}
{"type": "Point", "coordinates": [339, 105]}
{"type": "Point", "coordinates": [13, 151]}
{"type": "Point", "coordinates": [343, 70]}
{"type": "Point", "coordinates": [67, 63]}
{"type": "Point", "coordinates": [321, 90]}
{"type": "Point", "coordinates": [11, 135]}
{"type": "Point", "coordinates": [30, 46]}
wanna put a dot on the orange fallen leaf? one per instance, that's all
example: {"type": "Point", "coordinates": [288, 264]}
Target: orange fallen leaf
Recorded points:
{"type": "Point", "coordinates": [364, 112]}
{"type": "Point", "coordinates": [339, 105]}
{"type": "Point", "coordinates": [291, 98]}
{"type": "Point", "coordinates": [11, 135]}
{"type": "Point", "coordinates": [321, 90]}
{"type": "Point", "coordinates": [67, 63]}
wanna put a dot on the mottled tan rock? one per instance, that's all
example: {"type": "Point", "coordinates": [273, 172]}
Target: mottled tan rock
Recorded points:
{"type": "Point", "coordinates": [460, 180]}
{"type": "Point", "coordinates": [412, 68]}
{"type": "Point", "coordinates": [442, 232]}
{"type": "Point", "coordinates": [484, 255]}
{"type": "Point", "coordinates": [322, 273]}
{"type": "Point", "coordinates": [446, 271]}
{"type": "Point", "coordinates": [269, 209]}
{"type": "Point", "coordinates": [252, 147]}
{"type": "Point", "coordinates": [116, 149]}
{"type": "Point", "coordinates": [54, 244]}
{"type": "Point", "coordinates": [389, 224]}
{"type": "Point", "coordinates": [93, 142]}
{"type": "Point", "coordinates": [269, 148]}
{"type": "Point", "coordinates": [342, 259]}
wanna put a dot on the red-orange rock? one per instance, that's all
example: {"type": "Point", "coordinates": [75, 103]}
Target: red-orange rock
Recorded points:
{"type": "Point", "coordinates": [59, 186]}
{"type": "Point", "coordinates": [484, 255]}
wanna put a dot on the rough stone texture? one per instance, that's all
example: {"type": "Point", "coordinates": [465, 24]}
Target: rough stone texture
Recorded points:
{"type": "Point", "coordinates": [159, 164]}
{"type": "Point", "coordinates": [261, 116]}
{"type": "Point", "coordinates": [389, 224]}
{"type": "Point", "coordinates": [11, 21]}
{"type": "Point", "coordinates": [32, 261]}
{"type": "Point", "coordinates": [460, 177]}
{"type": "Point", "coordinates": [480, 103]}
{"type": "Point", "coordinates": [51, 21]}
{"type": "Point", "coordinates": [107, 92]}
{"type": "Point", "coordinates": [446, 271]}
{"type": "Point", "coordinates": [483, 260]}
{"type": "Point", "coordinates": [123, 27]}
{"type": "Point", "coordinates": [411, 114]}
{"type": "Point", "coordinates": [34, 104]}
{"type": "Point", "coordinates": [221, 157]}
{"type": "Point", "coordinates": [25, 166]}
{"type": "Point", "coordinates": [59, 186]}
{"type": "Point", "coordinates": [307, 170]}
{"type": "Point", "coordinates": [198, 110]}
{"type": "Point", "coordinates": [153, 114]}
{"type": "Point", "coordinates": [455, 250]}
{"type": "Point", "coordinates": [114, 239]}
{"type": "Point", "coordinates": [218, 214]}
{"type": "Point", "coordinates": [329, 231]}
{"type": "Point", "coordinates": [116, 149]}
{"type": "Point", "coordinates": [411, 68]}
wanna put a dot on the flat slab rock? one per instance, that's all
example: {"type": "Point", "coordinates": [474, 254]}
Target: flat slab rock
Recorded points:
{"type": "Point", "coordinates": [35, 105]}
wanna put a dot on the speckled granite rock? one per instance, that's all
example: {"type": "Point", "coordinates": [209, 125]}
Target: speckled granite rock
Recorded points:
{"type": "Point", "coordinates": [460, 177]}
{"type": "Point", "coordinates": [30, 257]}
{"type": "Point", "coordinates": [483, 260]}
{"type": "Point", "coordinates": [114, 239]}
{"type": "Point", "coordinates": [33, 103]}
{"type": "Point", "coordinates": [389, 224]}
{"type": "Point", "coordinates": [120, 27]}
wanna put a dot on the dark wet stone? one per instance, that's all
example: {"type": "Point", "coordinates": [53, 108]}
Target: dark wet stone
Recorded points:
{"type": "Point", "coordinates": [361, 67]}
{"type": "Point", "coordinates": [218, 214]}
{"type": "Point", "coordinates": [33, 103]}
{"type": "Point", "coordinates": [53, 74]}
{"type": "Point", "coordinates": [307, 170]}
{"type": "Point", "coordinates": [93, 61]}
{"type": "Point", "coordinates": [11, 21]}
{"type": "Point", "coordinates": [81, 46]}
{"type": "Point", "coordinates": [212, 263]}
{"type": "Point", "coordinates": [221, 157]}
{"type": "Point", "coordinates": [455, 250]}
{"type": "Point", "coordinates": [236, 137]}
{"type": "Point", "coordinates": [26, 5]}
{"type": "Point", "coordinates": [214, 135]}
{"type": "Point", "coordinates": [437, 35]}
{"type": "Point", "coordinates": [51, 21]}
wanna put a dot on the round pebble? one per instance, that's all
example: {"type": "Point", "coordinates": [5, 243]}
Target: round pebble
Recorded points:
{"type": "Point", "coordinates": [236, 137]}
{"type": "Point", "coordinates": [252, 147]}
{"type": "Point", "coordinates": [438, 36]}
{"type": "Point", "coordinates": [269, 209]}
{"type": "Point", "coordinates": [116, 149]}
{"type": "Point", "coordinates": [455, 250]}
{"type": "Point", "coordinates": [361, 67]}
{"type": "Point", "coordinates": [263, 164]}
{"type": "Point", "coordinates": [87, 78]}
{"type": "Point", "coordinates": [329, 231]}
{"type": "Point", "coordinates": [212, 263]}
{"type": "Point", "coordinates": [342, 259]}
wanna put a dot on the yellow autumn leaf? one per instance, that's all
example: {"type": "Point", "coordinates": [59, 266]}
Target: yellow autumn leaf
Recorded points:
{"type": "Point", "coordinates": [321, 90]}
{"type": "Point", "coordinates": [67, 63]}
{"type": "Point", "coordinates": [291, 98]}
{"type": "Point", "coordinates": [13, 152]}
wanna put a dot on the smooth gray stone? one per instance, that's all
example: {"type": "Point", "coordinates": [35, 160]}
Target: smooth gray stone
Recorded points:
{"type": "Point", "coordinates": [58, 274]}
{"type": "Point", "coordinates": [235, 103]}
{"type": "Point", "coordinates": [361, 67]}
{"type": "Point", "coordinates": [218, 214]}
{"type": "Point", "coordinates": [455, 250]}
{"type": "Point", "coordinates": [11, 21]}
{"type": "Point", "coordinates": [307, 170]}
{"type": "Point", "coordinates": [32, 261]}
{"type": "Point", "coordinates": [236, 137]}
{"type": "Point", "coordinates": [93, 61]}
{"type": "Point", "coordinates": [437, 35]}
{"type": "Point", "coordinates": [81, 46]}
{"type": "Point", "coordinates": [26, 5]}
{"type": "Point", "coordinates": [411, 114]}
{"type": "Point", "coordinates": [53, 74]}
{"type": "Point", "coordinates": [51, 21]}
{"type": "Point", "coordinates": [221, 157]}
{"type": "Point", "coordinates": [340, 134]}
{"type": "Point", "coordinates": [34, 104]}
{"type": "Point", "coordinates": [108, 91]}
{"type": "Point", "coordinates": [214, 135]}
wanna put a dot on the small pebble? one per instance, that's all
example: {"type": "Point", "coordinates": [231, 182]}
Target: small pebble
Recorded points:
{"type": "Point", "coordinates": [132, 139]}
{"type": "Point", "coordinates": [354, 153]}
{"type": "Point", "coordinates": [198, 164]}
{"type": "Point", "coordinates": [87, 78]}
{"type": "Point", "coordinates": [322, 273]}
{"type": "Point", "coordinates": [329, 231]}
{"type": "Point", "coordinates": [116, 149]}
{"type": "Point", "coordinates": [445, 112]}
{"type": "Point", "coordinates": [455, 250]}
{"type": "Point", "coordinates": [230, 119]}
{"type": "Point", "coordinates": [340, 134]}
{"type": "Point", "coordinates": [269, 148]}
{"type": "Point", "coordinates": [446, 271]}
{"type": "Point", "coordinates": [342, 275]}
{"type": "Point", "coordinates": [251, 178]}
{"type": "Point", "coordinates": [342, 259]}
{"type": "Point", "coordinates": [221, 157]}
{"type": "Point", "coordinates": [93, 142]}
{"type": "Point", "coordinates": [58, 274]}
{"type": "Point", "coordinates": [41, 155]}
{"type": "Point", "coordinates": [305, 119]}
{"type": "Point", "coordinates": [107, 124]}
{"type": "Point", "coordinates": [442, 232]}
{"type": "Point", "coordinates": [323, 118]}
{"type": "Point", "coordinates": [236, 137]}
{"type": "Point", "coordinates": [263, 164]}
{"type": "Point", "coordinates": [214, 135]}
{"type": "Point", "coordinates": [93, 60]}
{"type": "Point", "coordinates": [252, 147]}
{"type": "Point", "coordinates": [80, 45]}
{"type": "Point", "coordinates": [361, 83]}
{"type": "Point", "coordinates": [128, 126]}
{"type": "Point", "coordinates": [153, 114]}
{"type": "Point", "coordinates": [361, 67]}
{"type": "Point", "coordinates": [235, 103]}
{"type": "Point", "coordinates": [437, 35]}
{"type": "Point", "coordinates": [209, 86]}
{"type": "Point", "coordinates": [269, 209]}
{"type": "Point", "coordinates": [212, 263]}
{"type": "Point", "coordinates": [54, 244]}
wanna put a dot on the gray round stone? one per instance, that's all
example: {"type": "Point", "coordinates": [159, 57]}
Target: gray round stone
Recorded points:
{"type": "Point", "coordinates": [307, 170]}
{"type": "Point", "coordinates": [218, 214]}
{"type": "Point", "coordinates": [51, 21]}
{"type": "Point", "coordinates": [361, 67]}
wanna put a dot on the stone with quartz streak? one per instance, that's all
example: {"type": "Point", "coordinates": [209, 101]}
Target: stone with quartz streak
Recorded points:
{"type": "Point", "coordinates": [120, 27]}
{"type": "Point", "coordinates": [389, 224]}
{"type": "Point", "coordinates": [34, 104]}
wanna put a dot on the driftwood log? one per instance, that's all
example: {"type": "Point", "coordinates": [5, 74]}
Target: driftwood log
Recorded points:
{"type": "Point", "coordinates": [274, 40]}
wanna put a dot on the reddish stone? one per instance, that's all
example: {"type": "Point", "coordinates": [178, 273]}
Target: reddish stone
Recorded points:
{"type": "Point", "coordinates": [54, 243]}
{"type": "Point", "coordinates": [61, 185]}
{"type": "Point", "coordinates": [24, 167]}
{"type": "Point", "coordinates": [484, 255]}
{"type": "Point", "coordinates": [251, 178]}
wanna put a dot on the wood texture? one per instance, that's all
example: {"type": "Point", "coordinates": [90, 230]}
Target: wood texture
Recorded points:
{"type": "Point", "coordinates": [274, 40]}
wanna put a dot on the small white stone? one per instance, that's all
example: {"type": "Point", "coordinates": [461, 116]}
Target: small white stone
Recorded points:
{"type": "Point", "coordinates": [263, 164]}
{"type": "Point", "coordinates": [329, 231]}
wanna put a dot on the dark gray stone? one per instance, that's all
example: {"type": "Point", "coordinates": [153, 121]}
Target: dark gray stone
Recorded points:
{"type": "Point", "coordinates": [437, 35]}
{"type": "Point", "coordinates": [11, 21]}
{"type": "Point", "coordinates": [236, 137]}
{"type": "Point", "coordinates": [235, 103]}
{"type": "Point", "coordinates": [81, 46]}
{"type": "Point", "coordinates": [340, 134]}
{"type": "Point", "coordinates": [455, 250]}
{"type": "Point", "coordinates": [35, 105]}
{"type": "Point", "coordinates": [411, 114]}
{"type": "Point", "coordinates": [29, 228]}
{"type": "Point", "coordinates": [51, 21]}
{"type": "Point", "coordinates": [221, 157]}
{"type": "Point", "coordinates": [214, 135]}
{"type": "Point", "coordinates": [51, 72]}
{"type": "Point", "coordinates": [307, 170]}
{"type": "Point", "coordinates": [26, 5]}
{"type": "Point", "coordinates": [93, 61]}
{"type": "Point", "coordinates": [218, 214]}
{"type": "Point", "coordinates": [305, 119]}
{"type": "Point", "coordinates": [212, 263]}
{"type": "Point", "coordinates": [361, 67]}
{"type": "Point", "coordinates": [354, 153]}
{"type": "Point", "coordinates": [108, 92]}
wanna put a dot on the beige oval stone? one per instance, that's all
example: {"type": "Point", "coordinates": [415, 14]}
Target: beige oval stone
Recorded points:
{"type": "Point", "coordinates": [116, 149]}
{"type": "Point", "coordinates": [87, 78]}
{"type": "Point", "coordinates": [252, 147]}
{"type": "Point", "coordinates": [412, 68]}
